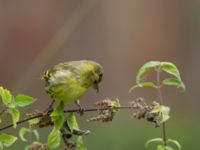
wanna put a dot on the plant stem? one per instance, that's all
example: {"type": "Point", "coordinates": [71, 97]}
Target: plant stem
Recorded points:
{"type": "Point", "coordinates": [160, 97]}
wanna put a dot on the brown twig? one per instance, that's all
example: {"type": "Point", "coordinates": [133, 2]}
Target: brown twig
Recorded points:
{"type": "Point", "coordinates": [66, 111]}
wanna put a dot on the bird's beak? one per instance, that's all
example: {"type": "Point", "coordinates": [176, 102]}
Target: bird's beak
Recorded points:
{"type": "Point", "coordinates": [96, 87]}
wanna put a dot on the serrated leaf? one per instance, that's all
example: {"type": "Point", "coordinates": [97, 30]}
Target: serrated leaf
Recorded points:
{"type": "Point", "coordinates": [54, 138]}
{"type": "Point", "coordinates": [6, 96]}
{"type": "Point", "coordinates": [153, 141]}
{"type": "Point", "coordinates": [80, 144]}
{"type": "Point", "coordinates": [58, 116]}
{"type": "Point", "coordinates": [14, 112]}
{"type": "Point", "coordinates": [174, 82]}
{"type": "Point", "coordinates": [145, 69]}
{"type": "Point", "coordinates": [22, 133]}
{"type": "Point", "coordinates": [24, 100]}
{"type": "Point", "coordinates": [71, 122]}
{"type": "Point", "coordinates": [7, 140]}
{"type": "Point", "coordinates": [162, 147]}
{"type": "Point", "coordinates": [142, 84]}
{"type": "Point", "coordinates": [175, 142]}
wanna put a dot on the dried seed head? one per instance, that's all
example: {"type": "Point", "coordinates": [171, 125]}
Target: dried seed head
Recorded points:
{"type": "Point", "coordinates": [71, 146]}
{"type": "Point", "coordinates": [107, 103]}
{"type": "Point", "coordinates": [106, 111]}
{"type": "Point", "coordinates": [37, 146]}
{"type": "Point", "coordinates": [144, 111]}
{"type": "Point", "coordinates": [45, 121]}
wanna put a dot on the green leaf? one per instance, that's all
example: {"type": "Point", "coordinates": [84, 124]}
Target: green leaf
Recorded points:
{"type": "Point", "coordinates": [1, 146]}
{"type": "Point", "coordinates": [145, 69]}
{"type": "Point", "coordinates": [167, 67]}
{"type": "Point", "coordinates": [175, 142]}
{"type": "Point", "coordinates": [36, 133]}
{"type": "Point", "coordinates": [71, 122]}
{"type": "Point", "coordinates": [80, 144]}
{"type": "Point", "coordinates": [115, 105]}
{"type": "Point", "coordinates": [27, 147]}
{"type": "Point", "coordinates": [6, 96]}
{"type": "Point", "coordinates": [7, 140]}
{"type": "Point", "coordinates": [58, 116]}
{"type": "Point", "coordinates": [162, 147]}
{"type": "Point", "coordinates": [142, 84]}
{"type": "Point", "coordinates": [156, 108]}
{"type": "Point", "coordinates": [54, 138]}
{"type": "Point", "coordinates": [174, 82]}
{"type": "Point", "coordinates": [153, 141]}
{"type": "Point", "coordinates": [22, 133]}
{"type": "Point", "coordinates": [33, 121]}
{"type": "Point", "coordinates": [15, 115]}
{"type": "Point", "coordinates": [24, 100]}
{"type": "Point", "coordinates": [171, 69]}
{"type": "Point", "coordinates": [164, 113]}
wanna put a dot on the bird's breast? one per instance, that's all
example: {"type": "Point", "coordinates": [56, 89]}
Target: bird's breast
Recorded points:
{"type": "Point", "coordinates": [65, 86]}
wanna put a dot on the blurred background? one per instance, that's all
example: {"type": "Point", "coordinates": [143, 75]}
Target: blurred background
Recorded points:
{"type": "Point", "coordinates": [119, 34]}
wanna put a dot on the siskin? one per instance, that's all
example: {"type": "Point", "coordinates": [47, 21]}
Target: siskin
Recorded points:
{"type": "Point", "coordinates": [69, 81]}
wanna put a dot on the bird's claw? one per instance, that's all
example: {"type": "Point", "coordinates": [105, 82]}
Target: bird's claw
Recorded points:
{"type": "Point", "coordinates": [81, 111]}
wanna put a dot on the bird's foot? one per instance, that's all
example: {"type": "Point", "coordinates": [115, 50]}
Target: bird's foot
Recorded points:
{"type": "Point", "coordinates": [81, 109]}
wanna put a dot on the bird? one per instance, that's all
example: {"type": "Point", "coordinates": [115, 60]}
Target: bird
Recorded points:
{"type": "Point", "coordinates": [69, 81]}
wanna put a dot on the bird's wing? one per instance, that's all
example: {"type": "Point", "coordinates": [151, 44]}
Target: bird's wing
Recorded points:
{"type": "Point", "coordinates": [48, 73]}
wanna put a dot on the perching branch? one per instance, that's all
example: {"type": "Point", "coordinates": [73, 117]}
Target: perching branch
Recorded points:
{"type": "Point", "coordinates": [66, 111]}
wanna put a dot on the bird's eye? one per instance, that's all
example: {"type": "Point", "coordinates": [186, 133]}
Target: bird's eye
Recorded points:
{"type": "Point", "coordinates": [100, 77]}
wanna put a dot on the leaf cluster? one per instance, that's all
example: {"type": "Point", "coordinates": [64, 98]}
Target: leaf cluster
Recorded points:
{"type": "Point", "coordinates": [159, 111]}
{"type": "Point", "coordinates": [11, 105]}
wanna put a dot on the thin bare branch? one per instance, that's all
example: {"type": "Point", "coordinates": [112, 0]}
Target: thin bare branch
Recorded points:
{"type": "Point", "coordinates": [66, 111]}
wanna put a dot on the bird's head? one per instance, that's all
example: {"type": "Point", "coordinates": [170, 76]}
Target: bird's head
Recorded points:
{"type": "Point", "coordinates": [94, 74]}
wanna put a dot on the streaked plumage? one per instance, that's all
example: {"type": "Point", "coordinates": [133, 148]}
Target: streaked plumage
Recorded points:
{"type": "Point", "coordinates": [70, 80]}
